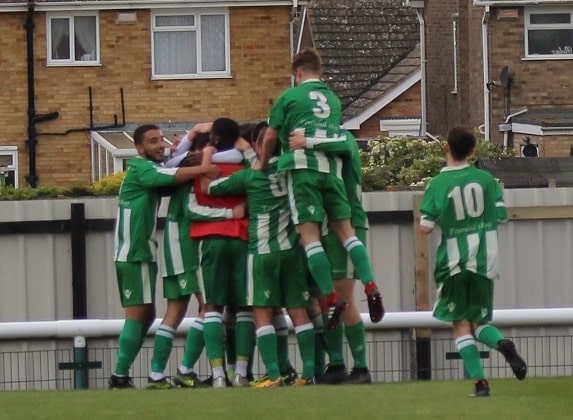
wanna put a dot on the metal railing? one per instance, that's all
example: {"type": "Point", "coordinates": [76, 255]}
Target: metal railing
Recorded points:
{"type": "Point", "coordinates": [393, 350]}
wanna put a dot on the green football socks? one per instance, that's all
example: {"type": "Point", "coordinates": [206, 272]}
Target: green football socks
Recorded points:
{"type": "Point", "coordinates": [319, 267]}
{"type": "Point", "coordinates": [162, 345]}
{"type": "Point", "coordinates": [267, 342]}
{"type": "Point", "coordinates": [129, 345]}
{"type": "Point", "coordinates": [467, 348]}
{"type": "Point", "coordinates": [359, 256]}
{"type": "Point", "coordinates": [214, 338]}
{"type": "Point", "coordinates": [194, 345]}
{"type": "Point", "coordinates": [334, 342]}
{"type": "Point", "coordinates": [305, 338]}
{"type": "Point", "coordinates": [356, 337]}
{"type": "Point", "coordinates": [489, 335]}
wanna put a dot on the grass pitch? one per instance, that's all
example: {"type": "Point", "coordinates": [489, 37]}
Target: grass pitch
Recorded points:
{"type": "Point", "coordinates": [534, 398]}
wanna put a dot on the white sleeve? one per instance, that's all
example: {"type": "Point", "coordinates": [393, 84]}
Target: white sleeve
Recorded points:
{"type": "Point", "coordinates": [175, 161]}
{"type": "Point", "coordinates": [183, 147]}
{"type": "Point", "coordinates": [228, 156]}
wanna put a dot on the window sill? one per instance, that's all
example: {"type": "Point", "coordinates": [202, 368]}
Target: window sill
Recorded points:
{"type": "Point", "coordinates": [74, 64]}
{"type": "Point", "coordinates": [547, 58]}
{"type": "Point", "coordinates": [192, 77]}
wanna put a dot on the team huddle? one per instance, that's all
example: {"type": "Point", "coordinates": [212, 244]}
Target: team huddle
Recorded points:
{"type": "Point", "coordinates": [268, 220]}
{"type": "Point", "coordinates": [258, 223]}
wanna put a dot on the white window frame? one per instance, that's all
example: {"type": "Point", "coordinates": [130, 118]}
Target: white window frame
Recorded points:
{"type": "Point", "coordinates": [71, 61]}
{"type": "Point", "coordinates": [13, 152]}
{"type": "Point", "coordinates": [195, 28]}
{"type": "Point", "coordinates": [401, 126]}
{"type": "Point", "coordinates": [566, 55]}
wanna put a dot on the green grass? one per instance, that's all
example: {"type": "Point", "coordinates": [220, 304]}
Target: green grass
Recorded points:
{"type": "Point", "coordinates": [534, 398]}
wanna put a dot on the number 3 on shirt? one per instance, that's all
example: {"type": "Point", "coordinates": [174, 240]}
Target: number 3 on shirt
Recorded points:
{"type": "Point", "coordinates": [470, 199]}
{"type": "Point", "coordinates": [321, 108]}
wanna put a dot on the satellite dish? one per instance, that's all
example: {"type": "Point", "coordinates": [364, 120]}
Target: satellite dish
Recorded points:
{"type": "Point", "coordinates": [530, 150]}
{"type": "Point", "coordinates": [505, 77]}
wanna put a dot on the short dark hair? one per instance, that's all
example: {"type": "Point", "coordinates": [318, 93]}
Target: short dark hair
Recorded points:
{"type": "Point", "coordinates": [308, 60]}
{"type": "Point", "coordinates": [228, 132]}
{"type": "Point", "coordinates": [461, 142]}
{"type": "Point", "coordinates": [140, 131]}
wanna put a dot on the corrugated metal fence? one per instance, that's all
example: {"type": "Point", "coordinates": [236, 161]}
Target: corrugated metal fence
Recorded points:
{"type": "Point", "coordinates": [39, 282]}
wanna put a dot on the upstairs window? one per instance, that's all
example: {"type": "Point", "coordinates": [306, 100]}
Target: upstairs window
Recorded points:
{"type": "Point", "coordinates": [549, 33]}
{"type": "Point", "coordinates": [190, 45]}
{"type": "Point", "coordinates": [73, 39]}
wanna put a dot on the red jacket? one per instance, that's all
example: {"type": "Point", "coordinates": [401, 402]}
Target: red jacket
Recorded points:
{"type": "Point", "coordinates": [232, 228]}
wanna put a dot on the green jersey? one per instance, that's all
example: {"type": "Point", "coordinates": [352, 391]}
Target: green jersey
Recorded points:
{"type": "Point", "coordinates": [352, 176]}
{"type": "Point", "coordinates": [467, 203]}
{"type": "Point", "coordinates": [137, 213]}
{"type": "Point", "coordinates": [270, 226]}
{"type": "Point", "coordinates": [311, 107]}
{"type": "Point", "coordinates": [180, 252]}
{"type": "Point", "coordinates": [351, 172]}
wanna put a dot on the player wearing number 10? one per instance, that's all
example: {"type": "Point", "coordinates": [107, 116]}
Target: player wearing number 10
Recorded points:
{"type": "Point", "coordinates": [468, 203]}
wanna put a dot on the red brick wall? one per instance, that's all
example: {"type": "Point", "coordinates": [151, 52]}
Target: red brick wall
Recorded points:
{"type": "Point", "coordinates": [535, 82]}
{"type": "Point", "coordinates": [548, 146]}
{"type": "Point", "coordinates": [407, 105]}
{"type": "Point", "coordinates": [443, 109]}
{"type": "Point", "coordinates": [260, 64]}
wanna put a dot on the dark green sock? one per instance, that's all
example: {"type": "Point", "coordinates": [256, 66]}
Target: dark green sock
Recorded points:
{"type": "Point", "coordinates": [470, 354]}
{"type": "Point", "coordinates": [194, 344]}
{"type": "Point", "coordinates": [319, 344]}
{"type": "Point", "coordinates": [162, 345]}
{"type": "Point", "coordinates": [267, 342]}
{"type": "Point", "coordinates": [244, 336]}
{"type": "Point", "coordinates": [359, 257]}
{"type": "Point", "coordinates": [334, 343]}
{"type": "Point", "coordinates": [489, 335]}
{"type": "Point", "coordinates": [319, 267]}
{"type": "Point", "coordinates": [214, 338]}
{"type": "Point", "coordinates": [129, 346]}
{"type": "Point", "coordinates": [305, 338]}
{"type": "Point", "coordinates": [281, 330]}
{"type": "Point", "coordinates": [356, 337]}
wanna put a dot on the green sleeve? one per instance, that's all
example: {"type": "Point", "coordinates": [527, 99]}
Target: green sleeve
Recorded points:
{"type": "Point", "coordinates": [234, 184]}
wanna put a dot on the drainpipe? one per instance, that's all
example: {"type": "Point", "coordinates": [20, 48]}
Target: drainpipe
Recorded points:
{"type": "Point", "coordinates": [455, 17]}
{"type": "Point", "coordinates": [33, 118]}
{"type": "Point", "coordinates": [420, 15]}
{"type": "Point", "coordinates": [506, 128]}
{"type": "Point", "coordinates": [485, 60]}
{"type": "Point", "coordinates": [32, 141]}
{"type": "Point", "coordinates": [294, 14]}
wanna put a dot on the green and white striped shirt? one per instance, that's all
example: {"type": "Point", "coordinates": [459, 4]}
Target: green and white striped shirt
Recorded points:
{"type": "Point", "coordinates": [311, 107]}
{"type": "Point", "coordinates": [270, 226]}
{"type": "Point", "coordinates": [467, 203]}
{"type": "Point", "coordinates": [137, 212]}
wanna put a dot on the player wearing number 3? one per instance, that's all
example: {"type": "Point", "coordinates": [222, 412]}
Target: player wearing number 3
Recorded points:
{"type": "Point", "coordinates": [468, 203]}
{"type": "Point", "coordinates": [314, 180]}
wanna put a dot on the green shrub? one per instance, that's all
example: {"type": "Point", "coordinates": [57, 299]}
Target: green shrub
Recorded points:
{"type": "Point", "coordinates": [108, 185]}
{"type": "Point", "coordinates": [409, 163]}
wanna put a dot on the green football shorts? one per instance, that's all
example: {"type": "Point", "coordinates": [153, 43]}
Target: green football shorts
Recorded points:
{"type": "Point", "coordinates": [136, 282]}
{"type": "Point", "coordinates": [465, 296]}
{"type": "Point", "coordinates": [314, 195]}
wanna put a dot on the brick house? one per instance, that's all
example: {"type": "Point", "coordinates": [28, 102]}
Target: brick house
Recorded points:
{"type": "Point", "coordinates": [501, 65]}
{"type": "Point", "coordinates": [75, 70]}
{"type": "Point", "coordinates": [371, 57]}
